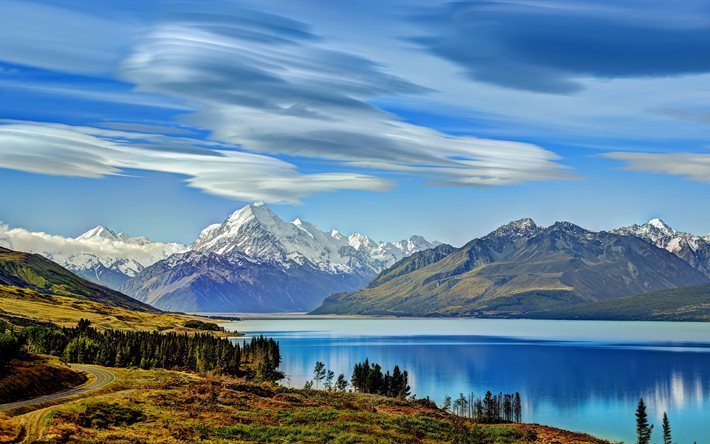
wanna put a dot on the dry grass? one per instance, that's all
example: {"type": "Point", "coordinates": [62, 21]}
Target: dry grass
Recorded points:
{"type": "Point", "coordinates": [172, 407]}
{"type": "Point", "coordinates": [66, 312]}
{"type": "Point", "coordinates": [36, 376]}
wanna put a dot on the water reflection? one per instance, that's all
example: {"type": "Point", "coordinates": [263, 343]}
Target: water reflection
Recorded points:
{"type": "Point", "coordinates": [591, 386]}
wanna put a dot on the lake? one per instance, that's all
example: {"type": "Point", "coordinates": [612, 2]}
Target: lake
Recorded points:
{"type": "Point", "coordinates": [578, 375]}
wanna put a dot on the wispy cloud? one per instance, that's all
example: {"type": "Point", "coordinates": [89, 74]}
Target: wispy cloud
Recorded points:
{"type": "Point", "coordinates": [283, 92]}
{"type": "Point", "coordinates": [212, 167]}
{"type": "Point", "coordinates": [694, 166]}
{"type": "Point", "coordinates": [262, 86]}
{"type": "Point", "coordinates": [550, 46]}
{"type": "Point", "coordinates": [52, 37]}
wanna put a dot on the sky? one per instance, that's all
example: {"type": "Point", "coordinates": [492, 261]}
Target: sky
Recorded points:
{"type": "Point", "coordinates": [389, 118]}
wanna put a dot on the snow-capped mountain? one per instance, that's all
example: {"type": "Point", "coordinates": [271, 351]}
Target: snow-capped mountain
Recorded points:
{"type": "Point", "coordinates": [255, 261]}
{"type": "Point", "coordinates": [691, 248]}
{"type": "Point", "coordinates": [99, 255]}
{"type": "Point", "coordinates": [257, 232]}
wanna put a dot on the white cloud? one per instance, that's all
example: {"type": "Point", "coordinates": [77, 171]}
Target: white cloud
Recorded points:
{"type": "Point", "coordinates": [694, 166]}
{"type": "Point", "coordinates": [85, 253]}
{"type": "Point", "coordinates": [264, 86]}
{"type": "Point", "coordinates": [212, 167]}
{"type": "Point", "coordinates": [297, 97]}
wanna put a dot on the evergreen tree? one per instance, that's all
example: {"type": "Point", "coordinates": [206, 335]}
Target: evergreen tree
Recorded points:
{"type": "Point", "coordinates": [447, 403]}
{"type": "Point", "coordinates": [643, 429]}
{"type": "Point", "coordinates": [318, 373]}
{"type": "Point", "coordinates": [666, 430]}
{"type": "Point", "coordinates": [329, 380]}
{"type": "Point", "coordinates": [517, 408]}
{"type": "Point", "coordinates": [341, 384]}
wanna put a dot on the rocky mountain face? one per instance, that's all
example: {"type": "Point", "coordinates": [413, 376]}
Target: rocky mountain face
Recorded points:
{"type": "Point", "coordinates": [695, 250]}
{"type": "Point", "coordinates": [256, 262]}
{"type": "Point", "coordinates": [520, 268]}
{"type": "Point", "coordinates": [99, 255]}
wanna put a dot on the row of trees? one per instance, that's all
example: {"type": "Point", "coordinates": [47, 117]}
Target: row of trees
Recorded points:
{"type": "Point", "coordinates": [259, 358]}
{"type": "Point", "coordinates": [322, 375]}
{"type": "Point", "coordinates": [368, 378]}
{"type": "Point", "coordinates": [489, 409]}
{"type": "Point", "coordinates": [644, 429]}
{"type": "Point", "coordinates": [9, 345]}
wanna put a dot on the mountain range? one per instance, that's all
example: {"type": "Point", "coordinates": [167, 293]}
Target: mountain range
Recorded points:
{"type": "Point", "coordinates": [99, 255]}
{"type": "Point", "coordinates": [522, 268]}
{"type": "Point", "coordinates": [252, 261]}
{"type": "Point", "coordinates": [255, 262]}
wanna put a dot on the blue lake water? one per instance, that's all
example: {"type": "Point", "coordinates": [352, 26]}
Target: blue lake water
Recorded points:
{"type": "Point", "coordinates": [578, 375]}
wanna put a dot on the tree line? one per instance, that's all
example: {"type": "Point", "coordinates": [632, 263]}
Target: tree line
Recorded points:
{"type": "Point", "coordinates": [366, 378]}
{"type": "Point", "coordinates": [258, 358]}
{"type": "Point", "coordinates": [488, 409]}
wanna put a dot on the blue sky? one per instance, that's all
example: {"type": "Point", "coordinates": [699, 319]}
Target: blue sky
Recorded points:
{"type": "Point", "coordinates": [388, 118]}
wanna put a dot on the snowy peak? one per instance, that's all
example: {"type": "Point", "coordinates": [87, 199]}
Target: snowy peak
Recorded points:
{"type": "Point", "coordinates": [255, 231]}
{"type": "Point", "coordinates": [92, 253]}
{"type": "Point", "coordinates": [693, 249]}
{"type": "Point", "coordinates": [519, 228]}
{"type": "Point", "coordinates": [99, 232]}
{"type": "Point", "coordinates": [659, 225]}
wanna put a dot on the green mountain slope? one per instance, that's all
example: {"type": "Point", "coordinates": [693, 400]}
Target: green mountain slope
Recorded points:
{"type": "Point", "coordinates": [33, 271]}
{"type": "Point", "coordinates": [678, 304]}
{"type": "Point", "coordinates": [518, 269]}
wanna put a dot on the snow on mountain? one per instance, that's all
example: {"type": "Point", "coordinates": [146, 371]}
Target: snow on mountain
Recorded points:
{"type": "Point", "coordinates": [257, 232]}
{"type": "Point", "coordinates": [100, 254]}
{"type": "Point", "coordinates": [693, 249]}
{"type": "Point", "coordinates": [255, 261]}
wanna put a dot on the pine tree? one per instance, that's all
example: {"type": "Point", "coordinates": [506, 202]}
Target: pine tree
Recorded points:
{"type": "Point", "coordinates": [447, 403]}
{"type": "Point", "coordinates": [318, 373]}
{"type": "Point", "coordinates": [341, 384]}
{"type": "Point", "coordinates": [517, 408]}
{"type": "Point", "coordinates": [643, 429]}
{"type": "Point", "coordinates": [666, 430]}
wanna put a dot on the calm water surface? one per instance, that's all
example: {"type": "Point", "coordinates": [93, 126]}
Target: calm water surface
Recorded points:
{"type": "Point", "coordinates": [578, 375]}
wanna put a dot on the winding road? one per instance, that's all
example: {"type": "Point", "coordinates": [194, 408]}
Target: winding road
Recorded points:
{"type": "Point", "coordinates": [102, 378]}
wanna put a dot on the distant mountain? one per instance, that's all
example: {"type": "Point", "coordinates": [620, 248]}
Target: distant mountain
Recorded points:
{"type": "Point", "coordinates": [254, 261]}
{"type": "Point", "coordinates": [677, 304]}
{"type": "Point", "coordinates": [695, 250]}
{"type": "Point", "coordinates": [33, 271]}
{"type": "Point", "coordinates": [520, 268]}
{"type": "Point", "coordinates": [99, 255]}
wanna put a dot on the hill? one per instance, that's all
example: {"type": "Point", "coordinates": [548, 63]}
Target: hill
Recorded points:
{"type": "Point", "coordinates": [154, 406]}
{"type": "Point", "coordinates": [517, 269]}
{"type": "Point", "coordinates": [678, 304]}
{"type": "Point", "coordinates": [35, 272]}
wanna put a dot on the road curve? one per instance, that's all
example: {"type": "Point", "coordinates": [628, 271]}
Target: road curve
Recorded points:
{"type": "Point", "coordinates": [102, 378]}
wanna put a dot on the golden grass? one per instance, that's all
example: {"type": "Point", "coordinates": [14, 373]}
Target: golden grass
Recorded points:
{"type": "Point", "coordinates": [173, 407]}
{"type": "Point", "coordinates": [66, 312]}
{"type": "Point", "coordinates": [36, 376]}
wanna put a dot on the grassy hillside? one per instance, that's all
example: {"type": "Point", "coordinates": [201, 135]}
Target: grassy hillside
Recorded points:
{"type": "Point", "coordinates": [36, 376]}
{"type": "Point", "coordinates": [18, 304]}
{"type": "Point", "coordinates": [680, 304]}
{"type": "Point", "coordinates": [173, 407]}
{"type": "Point", "coordinates": [38, 273]}
{"type": "Point", "coordinates": [559, 266]}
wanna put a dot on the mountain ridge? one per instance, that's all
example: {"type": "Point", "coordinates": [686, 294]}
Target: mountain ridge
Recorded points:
{"type": "Point", "coordinates": [35, 272]}
{"type": "Point", "coordinates": [255, 261]}
{"type": "Point", "coordinates": [520, 268]}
